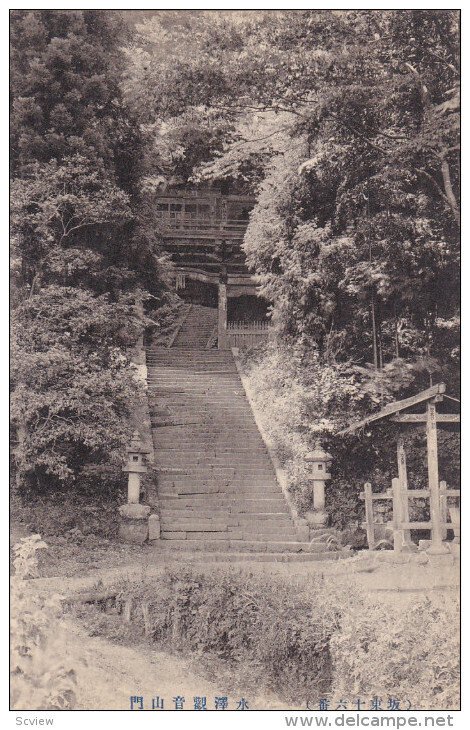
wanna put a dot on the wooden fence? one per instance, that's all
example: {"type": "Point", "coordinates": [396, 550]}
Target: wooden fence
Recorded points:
{"type": "Point", "coordinates": [247, 334]}
{"type": "Point", "coordinates": [400, 525]}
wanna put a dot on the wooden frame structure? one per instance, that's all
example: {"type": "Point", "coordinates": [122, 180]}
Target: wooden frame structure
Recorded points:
{"type": "Point", "coordinates": [400, 493]}
{"type": "Point", "coordinates": [400, 524]}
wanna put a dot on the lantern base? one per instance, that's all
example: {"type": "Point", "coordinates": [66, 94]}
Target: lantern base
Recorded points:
{"type": "Point", "coordinates": [134, 525]}
{"type": "Point", "coordinates": [316, 518]}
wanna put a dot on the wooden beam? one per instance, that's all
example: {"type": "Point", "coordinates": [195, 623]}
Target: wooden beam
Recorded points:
{"type": "Point", "coordinates": [437, 547]}
{"type": "Point", "coordinates": [369, 516]}
{"type": "Point", "coordinates": [415, 494]}
{"type": "Point", "coordinates": [443, 505]}
{"type": "Point", "coordinates": [421, 418]}
{"type": "Point", "coordinates": [399, 405]}
{"type": "Point", "coordinates": [452, 492]}
{"type": "Point", "coordinates": [418, 525]}
{"type": "Point", "coordinates": [418, 493]}
{"type": "Point", "coordinates": [403, 478]}
{"type": "Point", "coordinates": [398, 532]}
{"type": "Point", "coordinates": [376, 496]}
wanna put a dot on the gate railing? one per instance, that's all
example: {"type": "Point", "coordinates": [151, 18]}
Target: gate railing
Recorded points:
{"type": "Point", "coordinates": [247, 334]}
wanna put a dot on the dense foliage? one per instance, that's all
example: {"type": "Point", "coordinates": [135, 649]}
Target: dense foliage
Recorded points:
{"type": "Point", "coordinates": [84, 252]}
{"type": "Point", "coordinates": [346, 126]}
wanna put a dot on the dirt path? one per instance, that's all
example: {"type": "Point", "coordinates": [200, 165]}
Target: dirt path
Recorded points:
{"type": "Point", "coordinates": [114, 673]}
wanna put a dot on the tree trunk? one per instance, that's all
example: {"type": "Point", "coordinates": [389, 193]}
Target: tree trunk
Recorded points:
{"type": "Point", "coordinates": [374, 333]}
{"type": "Point", "coordinates": [445, 170]}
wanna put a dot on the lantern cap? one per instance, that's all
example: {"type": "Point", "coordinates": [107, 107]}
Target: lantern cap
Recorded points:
{"type": "Point", "coordinates": [136, 446]}
{"type": "Point", "coordinates": [318, 453]}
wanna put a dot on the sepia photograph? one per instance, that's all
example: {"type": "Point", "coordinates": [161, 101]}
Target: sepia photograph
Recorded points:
{"type": "Point", "coordinates": [235, 363]}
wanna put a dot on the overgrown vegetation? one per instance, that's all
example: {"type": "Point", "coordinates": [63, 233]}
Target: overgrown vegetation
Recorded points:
{"type": "Point", "coordinates": [42, 675]}
{"type": "Point", "coordinates": [303, 638]}
{"type": "Point", "coordinates": [300, 399]}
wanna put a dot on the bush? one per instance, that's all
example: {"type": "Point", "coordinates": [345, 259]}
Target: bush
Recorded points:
{"type": "Point", "coordinates": [73, 387]}
{"type": "Point", "coordinates": [42, 673]}
{"type": "Point", "coordinates": [68, 515]}
{"type": "Point", "coordinates": [300, 402]}
{"type": "Point", "coordinates": [413, 654]}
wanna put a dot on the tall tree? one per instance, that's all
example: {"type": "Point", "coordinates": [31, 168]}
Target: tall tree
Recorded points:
{"type": "Point", "coordinates": [83, 247]}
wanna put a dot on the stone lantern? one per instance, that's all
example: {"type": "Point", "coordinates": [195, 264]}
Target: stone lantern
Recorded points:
{"type": "Point", "coordinates": [135, 467]}
{"type": "Point", "coordinates": [320, 461]}
{"type": "Point", "coordinates": [134, 516]}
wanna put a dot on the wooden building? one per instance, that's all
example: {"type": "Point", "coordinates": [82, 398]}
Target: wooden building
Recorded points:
{"type": "Point", "coordinates": [203, 231]}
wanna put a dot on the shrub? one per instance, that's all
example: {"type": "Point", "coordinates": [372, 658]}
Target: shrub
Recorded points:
{"type": "Point", "coordinates": [42, 675]}
{"type": "Point", "coordinates": [412, 654]}
{"type": "Point", "coordinates": [258, 624]}
{"type": "Point", "coordinates": [299, 402]}
{"type": "Point", "coordinates": [73, 387]}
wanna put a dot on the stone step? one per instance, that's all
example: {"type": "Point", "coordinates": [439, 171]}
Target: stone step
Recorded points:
{"type": "Point", "coordinates": [197, 470]}
{"type": "Point", "coordinates": [206, 466]}
{"type": "Point", "coordinates": [237, 531]}
{"type": "Point", "coordinates": [182, 468]}
{"type": "Point", "coordinates": [188, 525]}
{"type": "Point", "coordinates": [205, 415]}
{"type": "Point", "coordinates": [181, 472]}
{"type": "Point", "coordinates": [190, 353]}
{"type": "Point", "coordinates": [228, 489]}
{"type": "Point", "coordinates": [217, 489]}
{"type": "Point", "coordinates": [218, 449]}
{"type": "Point", "coordinates": [261, 478]}
{"type": "Point", "coordinates": [273, 520]}
{"type": "Point", "coordinates": [262, 527]}
{"type": "Point", "coordinates": [218, 554]}
{"type": "Point", "coordinates": [236, 507]}
{"type": "Point", "coordinates": [235, 496]}
{"type": "Point", "coordinates": [224, 494]}
{"type": "Point", "coordinates": [202, 447]}
{"type": "Point", "coordinates": [200, 541]}
{"type": "Point", "coordinates": [220, 499]}
{"type": "Point", "coordinates": [190, 371]}
{"type": "Point", "coordinates": [167, 357]}
{"type": "Point", "coordinates": [216, 426]}
{"type": "Point", "coordinates": [230, 534]}
{"type": "Point", "coordinates": [244, 482]}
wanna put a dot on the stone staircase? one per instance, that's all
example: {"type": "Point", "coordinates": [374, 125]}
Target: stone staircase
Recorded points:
{"type": "Point", "coordinates": [197, 328]}
{"type": "Point", "coordinates": [217, 489]}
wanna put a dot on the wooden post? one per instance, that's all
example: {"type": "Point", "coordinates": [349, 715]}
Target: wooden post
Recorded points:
{"type": "Point", "coordinates": [443, 505]}
{"type": "Point", "coordinates": [369, 515]}
{"type": "Point", "coordinates": [397, 516]}
{"type": "Point", "coordinates": [127, 610]}
{"type": "Point", "coordinates": [455, 523]}
{"type": "Point", "coordinates": [403, 477]}
{"type": "Point", "coordinates": [222, 321]}
{"type": "Point", "coordinates": [146, 617]}
{"type": "Point", "coordinates": [436, 547]}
